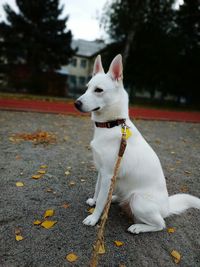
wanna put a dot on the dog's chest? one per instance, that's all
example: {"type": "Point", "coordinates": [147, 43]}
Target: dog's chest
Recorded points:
{"type": "Point", "coordinates": [105, 149]}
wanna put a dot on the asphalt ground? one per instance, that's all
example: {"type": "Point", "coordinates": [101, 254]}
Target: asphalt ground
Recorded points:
{"type": "Point", "coordinates": [70, 179]}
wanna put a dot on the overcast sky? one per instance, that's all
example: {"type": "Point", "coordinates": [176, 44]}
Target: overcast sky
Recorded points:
{"type": "Point", "coordinates": [82, 16]}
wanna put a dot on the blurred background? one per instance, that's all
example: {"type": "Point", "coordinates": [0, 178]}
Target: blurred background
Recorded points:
{"type": "Point", "coordinates": [47, 47]}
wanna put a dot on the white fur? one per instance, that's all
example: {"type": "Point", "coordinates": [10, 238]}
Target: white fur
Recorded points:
{"type": "Point", "coordinates": [140, 182]}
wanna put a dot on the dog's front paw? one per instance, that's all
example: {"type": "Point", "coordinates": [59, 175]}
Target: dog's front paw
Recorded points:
{"type": "Point", "coordinates": [91, 202]}
{"type": "Point", "coordinates": [90, 220]}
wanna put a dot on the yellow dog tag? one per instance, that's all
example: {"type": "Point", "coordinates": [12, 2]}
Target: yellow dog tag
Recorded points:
{"type": "Point", "coordinates": [128, 132]}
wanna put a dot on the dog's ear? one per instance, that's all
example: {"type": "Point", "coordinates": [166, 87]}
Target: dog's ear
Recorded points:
{"type": "Point", "coordinates": [116, 68]}
{"type": "Point", "coordinates": [97, 66]}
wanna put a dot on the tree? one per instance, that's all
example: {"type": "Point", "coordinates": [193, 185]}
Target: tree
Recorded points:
{"type": "Point", "coordinates": [137, 28]}
{"type": "Point", "coordinates": [163, 44]}
{"type": "Point", "coordinates": [188, 43]}
{"type": "Point", "coordinates": [35, 36]}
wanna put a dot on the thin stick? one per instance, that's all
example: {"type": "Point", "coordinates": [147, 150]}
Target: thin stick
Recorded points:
{"type": "Point", "coordinates": [100, 234]}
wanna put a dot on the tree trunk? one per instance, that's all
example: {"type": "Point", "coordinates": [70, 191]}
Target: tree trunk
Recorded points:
{"type": "Point", "coordinates": [129, 42]}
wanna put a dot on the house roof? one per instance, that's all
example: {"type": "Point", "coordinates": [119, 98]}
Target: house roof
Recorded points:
{"type": "Point", "coordinates": [88, 48]}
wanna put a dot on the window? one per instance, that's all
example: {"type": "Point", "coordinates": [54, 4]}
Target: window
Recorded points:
{"type": "Point", "coordinates": [74, 62]}
{"type": "Point", "coordinates": [83, 63]}
{"type": "Point", "coordinates": [82, 81]}
{"type": "Point", "coordinates": [72, 80]}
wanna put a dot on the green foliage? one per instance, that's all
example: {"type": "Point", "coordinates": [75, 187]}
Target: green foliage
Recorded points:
{"type": "Point", "coordinates": [35, 36]}
{"type": "Point", "coordinates": [164, 51]}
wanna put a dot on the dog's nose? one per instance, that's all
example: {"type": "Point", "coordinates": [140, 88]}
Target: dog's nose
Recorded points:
{"type": "Point", "coordinates": [78, 104]}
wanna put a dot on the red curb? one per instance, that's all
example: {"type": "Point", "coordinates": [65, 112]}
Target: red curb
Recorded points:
{"type": "Point", "coordinates": [68, 108]}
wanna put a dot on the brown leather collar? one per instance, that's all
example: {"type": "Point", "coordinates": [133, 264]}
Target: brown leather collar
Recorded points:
{"type": "Point", "coordinates": [110, 124]}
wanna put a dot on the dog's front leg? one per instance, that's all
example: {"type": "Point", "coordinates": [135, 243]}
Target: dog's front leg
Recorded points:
{"type": "Point", "coordinates": [92, 201]}
{"type": "Point", "coordinates": [101, 201]}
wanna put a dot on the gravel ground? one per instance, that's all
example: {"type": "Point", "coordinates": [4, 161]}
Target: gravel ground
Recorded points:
{"type": "Point", "coordinates": [177, 145]}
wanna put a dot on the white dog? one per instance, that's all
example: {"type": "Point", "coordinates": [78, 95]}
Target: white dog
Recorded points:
{"type": "Point", "coordinates": [140, 182]}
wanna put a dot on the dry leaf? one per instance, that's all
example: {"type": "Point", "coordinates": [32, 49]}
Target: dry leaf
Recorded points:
{"type": "Point", "coordinates": [49, 190]}
{"type": "Point", "coordinates": [48, 224]}
{"type": "Point", "coordinates": [187, 172]}
{"type": "Point", "coordinates": [173, 152]}
{"type": "Point", "coordinates": [171, 230]}
{"type": "Point", "coordinates": [19, 237]}
{"type": "Point", "coordinates": [11, 139]}
{"type": "Point", "coordinates": [66, 138]}
{"type": "Point", "coordinates": [37, 176]}
{"type": "Point", "coordinates": [18, 157]}
{"type": "Point", "coordinates": [41, 171]}
{"type": "Point", "coordinates": [49, 213]}
{"type": "Point", "coordinates": [43, 166]}
{"type": "Point", "coordinates": [91, 210]}
{"type": "Point", "coordinates": [118, 243]}
{"type": "Point", "coordinates": [65, 205]}
{"type": "Point", "coordinates": [102, 249]}
{"type": "Point", "coordinates": [19, 184]}
{"type": "Point", "coordinates": [39, 137]}
{"type": "Point", "coordinates": [17, 231]}
{"type": "Point", "coordinates": [67, 172]}
{"type": "Point", "coordinates": [71, 257]}
{"type": "Point", "coordinates": [176, 256]}
{"type": "Point", "coordinates": [184, 189]}
{"type": "Point", "coordinates": [82, 180]}
{"type": "Point", "coordinates": [37, 222]}
{"type": "Point", "coordinates": [72, 183]}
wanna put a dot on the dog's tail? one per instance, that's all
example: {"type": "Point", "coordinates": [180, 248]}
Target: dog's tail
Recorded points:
{"type": "Point", "coordinates": [181, 202]}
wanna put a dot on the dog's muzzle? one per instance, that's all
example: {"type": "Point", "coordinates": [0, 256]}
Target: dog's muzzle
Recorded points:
{"type": "Point", "coordinates": [78, 104]}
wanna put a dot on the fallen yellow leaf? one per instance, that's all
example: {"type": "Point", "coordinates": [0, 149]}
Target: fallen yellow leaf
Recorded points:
{"type": "Point", "coordinates": [37, 222]}
{"type": "Point", "coordinates": [48, 224]}
{"type": "Point", "coordinates": [19, 237]}
{"type": "Point", "coordinates": [91, 210]}
{"type": "Point", "coordinates": [49, 213]}
{"type": "Point", "coordinates": [37, 176]}
{"type": "Point", "coordinates": [102, 249]}
{"type": "Point", "coordinates": [67, 172]}
{"type": "Point", "coordinates": [71, 257]}
{"type": "Point", "coordinates": [171, 230]}
{"type": "Point", "coordinates": [41, 171]}
{"type": "Point", "coordinates": [19, 184]}
{"type": "Point", "coordinates": [118, 243]}
{"type": "Point", "coordinates": [43, 166]}
{"type": "Point", "coordinates": [176, 256]}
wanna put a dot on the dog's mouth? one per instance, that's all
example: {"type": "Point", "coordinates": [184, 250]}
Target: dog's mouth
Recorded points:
{"type": "Point", "coordinates": [95, 109]}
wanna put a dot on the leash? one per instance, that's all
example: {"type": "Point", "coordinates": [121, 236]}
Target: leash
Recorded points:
{"type": "Point", "coordinates": [98, 247]}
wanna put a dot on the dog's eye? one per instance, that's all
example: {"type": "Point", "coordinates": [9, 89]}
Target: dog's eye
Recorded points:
{"type": "Point", "coordinates": [98, 90]}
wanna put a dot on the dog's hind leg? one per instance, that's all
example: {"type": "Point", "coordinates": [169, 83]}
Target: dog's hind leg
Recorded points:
{"type": "Point", "coordinates": [147, 213]}
{"type": "Point", "coordinates": [92, 201]}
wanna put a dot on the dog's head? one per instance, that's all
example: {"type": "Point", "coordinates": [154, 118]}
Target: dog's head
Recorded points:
{"type": "Point", "coordinates": [104, 89]}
